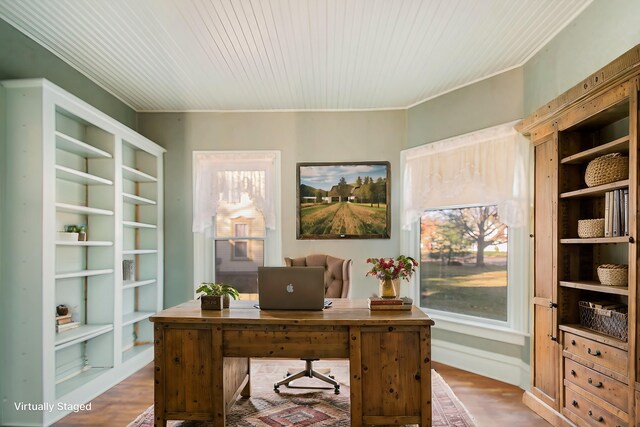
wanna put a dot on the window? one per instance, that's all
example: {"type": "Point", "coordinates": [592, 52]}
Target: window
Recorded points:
{"type": "Point", "coordinates": [463, 262]}
{"type": "Point", "coordinates": [466, 210]}
{"type": "Point", "coordinates": [236, 216]}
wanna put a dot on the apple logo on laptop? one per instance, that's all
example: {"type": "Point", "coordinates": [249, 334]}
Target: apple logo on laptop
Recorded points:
{"type": "Point", "coordinates": [290, 288]}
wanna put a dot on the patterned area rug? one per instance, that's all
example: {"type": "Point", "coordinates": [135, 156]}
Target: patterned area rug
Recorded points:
{"type": "Point", "coordinates": [298, 407]}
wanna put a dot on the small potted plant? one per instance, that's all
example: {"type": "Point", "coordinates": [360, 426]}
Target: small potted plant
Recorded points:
{"type": "Point", "coordinates": [213, 295]}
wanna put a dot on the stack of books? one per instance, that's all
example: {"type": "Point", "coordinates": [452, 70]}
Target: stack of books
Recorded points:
{"type": "Point", "coordinates": [376, 303]}
{"type": "Point", "coordinates": [64, 323]}
{"type": "Point", "coordinates": [616, 213]}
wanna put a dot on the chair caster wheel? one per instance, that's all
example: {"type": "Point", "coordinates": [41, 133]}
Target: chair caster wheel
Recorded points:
{"type": "Point", "coordinates": [337, 390]}
{"type": "Point", "coordinates": [276, 389]}
{"type": "Point", "coordinates": [332, 377]}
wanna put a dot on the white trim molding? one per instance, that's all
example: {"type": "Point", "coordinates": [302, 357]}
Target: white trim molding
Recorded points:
{"type": "Point", "coordinates": [508, 369]}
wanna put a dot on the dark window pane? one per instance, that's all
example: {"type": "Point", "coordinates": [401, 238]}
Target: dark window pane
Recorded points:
{"type": "Point", "coordinates": [240, 273]}
{"type": "Point", "coordinates": [463, 262]}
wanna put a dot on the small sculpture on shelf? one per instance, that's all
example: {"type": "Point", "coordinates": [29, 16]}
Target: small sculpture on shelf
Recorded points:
{"type": "Point", "coordinates": [64, 321]}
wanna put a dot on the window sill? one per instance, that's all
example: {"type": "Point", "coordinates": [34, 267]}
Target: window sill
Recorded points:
{"type": "Point", "coordinates": [475, 328]}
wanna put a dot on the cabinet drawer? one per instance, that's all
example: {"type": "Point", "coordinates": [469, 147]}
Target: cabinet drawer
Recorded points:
{"type": "Point", "coordinates": [605, 388]}
{"type": "Point", "coordinates": [589, 411]}
{"type": "Point", "coordinates": [598, 353]}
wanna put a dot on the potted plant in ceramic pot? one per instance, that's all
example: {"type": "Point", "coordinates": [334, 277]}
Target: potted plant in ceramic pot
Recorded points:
{"type": "Point", "coordinates": [216, 296]}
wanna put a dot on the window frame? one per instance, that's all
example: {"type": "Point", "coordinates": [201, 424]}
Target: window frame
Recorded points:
{"type": "Point", "coordinates": [519, 271]}
{"type": "Point", "coordinates": [204, 243]}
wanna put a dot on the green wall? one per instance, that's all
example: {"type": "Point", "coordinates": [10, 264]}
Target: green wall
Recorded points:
{"type": "Point", "coordinates": [484, 104]}
{"type": "Point", "coordinates": [301, 137]}
{"type": "Point", "coordinates": [602, 32]}
{"type": "Point", "coordinates": [22, 58]}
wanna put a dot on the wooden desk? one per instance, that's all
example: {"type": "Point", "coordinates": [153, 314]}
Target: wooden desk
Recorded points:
{"type": "Point", "coordinates": [202, 357]}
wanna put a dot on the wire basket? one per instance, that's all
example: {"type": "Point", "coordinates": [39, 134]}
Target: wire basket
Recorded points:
{"type": "Point", "coordinates": [608, 322]}
{"type": "Point", "coordinates": [591, 227]}
{"type": "Point", "coordinates": [613, 274]}
{"type": "Point", "coordinates": [605, 169]}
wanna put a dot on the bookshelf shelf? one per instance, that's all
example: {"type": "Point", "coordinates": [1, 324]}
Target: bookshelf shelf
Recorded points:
{"type": "Point", "coordinates": [84, 243]}
{"type": "Point", "coordinates": [135, 317]}
{"type": "Point", "coordinates": [135, 224]}
{"type": "Point", "coordinates": [136, 175]}
{"type": "Point", "coordinates": [83, 273]}
{"type": "Point", "coordinates": [80, 334]}
{"type": "Point", "coordinates": [68, 174]}
{"type": "Point", "coordinates": [135, 351]}
{"type": "Point", "coordinates": [131, 285]}
{"type": "Point", "coordinates": [75, 146]}
{"type": "Point", "coordinates": [137, 200]}
{"type": "Point", "coordinates": [70, 384]}
{"type": "Point", "coordinates": [140, 252]}
{"type": "Point", "coordinates": [596, 287]}
{"type": "Point", "coordinates": [618, 145]}
{"type": "Point", "coordinates": [65, 207]}
{"type": "Point", "coordinates": [591, 240]}
{"type": "Point", "coordinates": [596, 191]}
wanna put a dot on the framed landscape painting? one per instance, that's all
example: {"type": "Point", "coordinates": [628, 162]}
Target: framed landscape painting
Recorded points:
{"type": "Point", "coordinates": [343, 200]}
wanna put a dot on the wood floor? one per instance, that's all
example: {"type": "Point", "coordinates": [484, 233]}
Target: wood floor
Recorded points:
{"type": "Point", "coordinates": [492, 403]}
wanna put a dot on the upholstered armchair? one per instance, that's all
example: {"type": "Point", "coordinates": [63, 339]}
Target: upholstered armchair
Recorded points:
{"type": "Point", "coordinates": [337, 284]}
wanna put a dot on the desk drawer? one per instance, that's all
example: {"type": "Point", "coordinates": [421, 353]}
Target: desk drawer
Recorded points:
{"type": "Point", "coordinates": [249, 342]}
{"type": "Point", "coordinates": [589, 411]}
{"type": "Point", "coordinates": [605, 388]}
{"type": "Point", "coordinates": [598, 353]}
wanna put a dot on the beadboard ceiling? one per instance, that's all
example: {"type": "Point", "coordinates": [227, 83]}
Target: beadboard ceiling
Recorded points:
{"type": "Point", "coordinates": [184, 55]}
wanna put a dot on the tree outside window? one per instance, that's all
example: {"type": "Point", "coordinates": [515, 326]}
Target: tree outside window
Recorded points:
{"type": "Point", "coordinates": [464, 257]}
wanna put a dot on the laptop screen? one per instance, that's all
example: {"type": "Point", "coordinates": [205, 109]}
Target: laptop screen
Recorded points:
{"type": "Point", "coordinates": [291, 288]}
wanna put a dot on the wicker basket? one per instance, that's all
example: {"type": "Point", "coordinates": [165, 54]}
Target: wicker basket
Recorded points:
{"type": "Point", "coordinates": [591, 227]}
{"type": "Point", "coordinates": [613, 274]}
{"type": "Point", "coordinates": [605, 169]}
{"type": "Point", "coordinates": [609, 322]}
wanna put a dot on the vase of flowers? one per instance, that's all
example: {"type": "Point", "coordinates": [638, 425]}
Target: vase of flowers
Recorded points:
{"type": "Point", "coordinates": [390, 271]}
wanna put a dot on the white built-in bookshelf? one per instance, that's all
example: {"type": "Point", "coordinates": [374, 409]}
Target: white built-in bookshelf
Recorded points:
{"type": "Point", "coordinates": [70, 164]}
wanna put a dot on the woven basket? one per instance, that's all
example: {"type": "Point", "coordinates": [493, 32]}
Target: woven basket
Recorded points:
{"type": "Point", "coordinates": [613, 274]}
{"type": "Point", "coordinates": [591, 227]}
{"type": "Point", "coordinates": [605, 169]}
{"type": "Point", "coordinates": [610, 322]}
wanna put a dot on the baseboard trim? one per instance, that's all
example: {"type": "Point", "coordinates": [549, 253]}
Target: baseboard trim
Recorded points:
{"type": "Point", "coordinates": [508, 369]}
{"type": "Point", "coordinates": [545, 411]}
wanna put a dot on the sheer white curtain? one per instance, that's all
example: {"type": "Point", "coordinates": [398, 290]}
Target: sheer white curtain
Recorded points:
{"type": "Point", "coordinates": [224, 176]}
{"type": "Point", "coordinates": [490, 166]}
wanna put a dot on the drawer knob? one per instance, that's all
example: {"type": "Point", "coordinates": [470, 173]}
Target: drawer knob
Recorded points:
{"type": "Point", "coordinates": [598, 419]}
{"type": "Point", "coordinates": [573, 373]}
{"type": "Point", "coordinates": [598, 384]}
{"type": "Point", "coordinates": [573, 342]}
{"type": "Point", "coordinates": [594, 352]}
{"type": "Point", "coordinates": [575, 403]}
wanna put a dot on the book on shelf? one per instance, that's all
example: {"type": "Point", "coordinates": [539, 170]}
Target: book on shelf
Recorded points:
{"type": "Point", "coordinates": [606, 305]}
{"type": "Point", "coordinates": [607, 215]}
{"type": "Point", "coordinates": [67, 326]}
{"type": "Point", "coordinates": [63, 321]}
{"type": "Point", "coordinates": [625, 211]}
{"type": "Point", "coordinates": [616, 214]}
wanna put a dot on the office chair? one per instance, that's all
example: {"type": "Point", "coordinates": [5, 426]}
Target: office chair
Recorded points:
{"type": "Point", "coordinates": [337, 284]}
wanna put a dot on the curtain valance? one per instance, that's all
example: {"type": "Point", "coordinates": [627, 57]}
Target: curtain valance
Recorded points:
{"type": "Point", "coordinates": [490, 166]}
{"type": "Point", "coordinates": [225, 176]}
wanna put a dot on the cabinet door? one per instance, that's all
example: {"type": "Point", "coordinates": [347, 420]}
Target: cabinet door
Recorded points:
{"type": "Point", "coordinates": [545, 352]}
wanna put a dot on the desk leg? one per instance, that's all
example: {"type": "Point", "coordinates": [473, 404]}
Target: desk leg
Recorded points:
{"type": "Point", "coordinates": [246, 390]}
{"type": "Point", "coordinates": [158, 373]}
{"type": "Point", "coordinates": [355, 375]}
{"type": "Point", "coordinates": [425, 376]}
{"type": "Point", "coordinates": [218, 377]}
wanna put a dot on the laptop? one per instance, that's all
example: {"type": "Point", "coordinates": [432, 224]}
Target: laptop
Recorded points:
{"type": "Point", "coordinates": [291, 288]}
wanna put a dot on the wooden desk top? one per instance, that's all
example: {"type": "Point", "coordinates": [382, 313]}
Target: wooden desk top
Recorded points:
{"type": "Point", "coordinates": [342, 312]}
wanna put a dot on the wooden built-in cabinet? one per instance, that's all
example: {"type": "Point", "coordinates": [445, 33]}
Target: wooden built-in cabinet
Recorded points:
{"type": "Point", "coordinates": [70, 164]}
{"type": "Point", "coordinates": [579, 375]}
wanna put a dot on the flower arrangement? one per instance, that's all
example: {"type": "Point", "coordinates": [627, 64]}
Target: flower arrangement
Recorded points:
{"type": "Point", "coordinates": [402, 267]}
